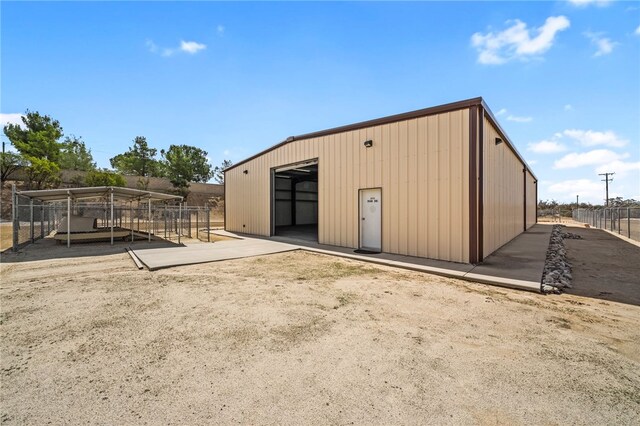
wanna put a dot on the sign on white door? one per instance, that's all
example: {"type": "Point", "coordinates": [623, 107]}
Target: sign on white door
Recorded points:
{"type": "Point", "coordinates": [371, 219]}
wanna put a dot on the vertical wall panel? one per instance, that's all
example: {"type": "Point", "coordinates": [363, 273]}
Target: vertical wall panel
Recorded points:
{"type": "Point", "coordinates": [433, 212]}
{"type": "Point", "coordinates": [421, 165]}
{"type": "Point", "coordinates": [503, 192]}
{"type": "Point", "coordinates": [532, 201]}
{"type": "Point", "coordinates": [412, 187]}
{"type": "Point", "coordinates": [421, 188]}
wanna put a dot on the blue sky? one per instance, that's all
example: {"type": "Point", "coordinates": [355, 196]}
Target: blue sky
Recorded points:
{"type": "Point", "coordinates": [235, 78]}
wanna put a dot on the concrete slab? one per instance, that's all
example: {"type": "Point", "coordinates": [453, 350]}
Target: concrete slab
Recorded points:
{"type": "Point", "coordinates": [202, 253]}
{"type": "Point", "coordinates": [518, 264]}
{"type": "Point", "coordinates": [521, 259]}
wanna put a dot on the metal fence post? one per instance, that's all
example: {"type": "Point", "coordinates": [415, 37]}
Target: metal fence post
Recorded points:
{"type": "Point", "coordinates": [111, 214]}
{"type": "Point", "coordinates": [208, 224]}
{"type": "Point", "coordinates": [68, 219]}
{"type": "Point", "coordinates": [180, 221]}
{"type": "Point", "coordinates": [619, 230]}
{"type": "Point", "coordinates": [189, 222]}
{"type": "Point", "coordinates": [131, 218]}
{"type": "Point", "coordinates": [31, 236]}
{"type": "Point", "coordinates": [41, 220]}
{"type": "Point", "coordinates": [629, 222]}
{"type": "Point", "coordinates": [612, 220]}
{"type": "Point", "coordinates": [14, 218]}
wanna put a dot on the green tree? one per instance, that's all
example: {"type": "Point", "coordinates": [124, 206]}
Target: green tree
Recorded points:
{"type": "Point", "coordinates": [104, 178]}
{"type": "Point", "coordinates": [185, 164]}
{"type": "Point", "coordinates": [139, 160]}
{"type": "Point", "coordinates": [75, 155]}
{"type": "Point", "coordinates": [37, 138]}
{"type": "Point", "coordinates": [9, 163]}
{"type": "Point", "coordinates": [42, 173]}
{"type": "Point", "coordinates": [218, 171]}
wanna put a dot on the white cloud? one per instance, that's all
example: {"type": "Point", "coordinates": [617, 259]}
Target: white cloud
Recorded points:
{"type": "Point", "coordinates": [621, 168]}
{"type": "Point", "coordinates": [583, 3]}
{"type": "Point", "coordinates": [592, 158]}
{"type": "Point", "coordinates": [512, 117]}
{"type": "Point", "coordinates": [220, 30]}
{"type": "Point", "coordinates": [638, 30]}
{"type": "Point", "coordinates": [153, 48]}
{"type": "Point", "coordinates": [517, 42]}
{"type": "Point", "coordinates": [593, 138]}
{"type": "Point", "coordinates": [191, 47]}
{"type": "Point", "coordinates": [568, 107]}
{"type": "Point", "coordinates": [604, 45]}
{"type": "Point", "coordinates": [519, 119]}
{"type": "Point", "coordinates": [11, 118]}
{"type": "Point", "coordinates": [589, 190]}
{"type": "Point", "coordinates": [546, 147]}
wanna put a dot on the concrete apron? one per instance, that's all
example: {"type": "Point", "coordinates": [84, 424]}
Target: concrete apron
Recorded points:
{"type": "Point", "coordinates": [169, 257]}
{"type": "Point", "coordinates": [518, 264]}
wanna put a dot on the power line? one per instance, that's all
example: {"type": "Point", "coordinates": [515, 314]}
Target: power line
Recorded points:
{"type": "Point", "coordinates": [606, 180]}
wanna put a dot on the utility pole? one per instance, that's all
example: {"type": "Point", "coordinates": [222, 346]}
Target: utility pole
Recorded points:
{"type": "Point", "coordinates": [577, 202]}
{"type": "Point", "coordinates": [606, 180]}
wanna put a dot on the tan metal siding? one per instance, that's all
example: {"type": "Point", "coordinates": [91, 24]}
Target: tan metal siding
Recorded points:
{"type": "Point", "coordinates": [532, 201]}
{"type": "Point", "coordinates": [421, 165]}
{"type": "Point", "coordinates": [503, 216]}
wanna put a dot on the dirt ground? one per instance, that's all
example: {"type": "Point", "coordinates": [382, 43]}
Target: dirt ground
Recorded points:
{"type": "Point", "coordinates": [604, 266]}
{"type": "Point", "coordinates": [301, 338]}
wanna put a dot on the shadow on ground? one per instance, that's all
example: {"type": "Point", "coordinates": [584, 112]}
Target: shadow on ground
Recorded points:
{"type": "Point", "coordinates": [49, 249]}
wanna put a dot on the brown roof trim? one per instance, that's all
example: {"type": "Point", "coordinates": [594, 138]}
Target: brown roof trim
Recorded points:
{"type": "Point", "coordinates": [454, 106]}
{"type": "Point", "coordinates": [492, 119]}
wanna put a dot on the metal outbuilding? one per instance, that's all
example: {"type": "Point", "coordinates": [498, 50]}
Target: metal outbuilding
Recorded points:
{"type": "Point", "coordinates": [444, 182]}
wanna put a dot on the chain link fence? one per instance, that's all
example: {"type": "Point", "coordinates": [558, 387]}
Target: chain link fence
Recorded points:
{"type": "Point", "coordinates": [622, 220]}
{"type": "Point", "coordinates": [33, 220]}
{"type": "Point", "coordinates": [555, 215]}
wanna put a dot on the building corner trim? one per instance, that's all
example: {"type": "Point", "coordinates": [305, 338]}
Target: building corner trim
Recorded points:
{"type": "Point", "coordinates": [224, 214]}
{"type": "Point", "coordinates": [481, 184]}
{"type": "Point", "coordinates": [524, 207]}
{"type": "Point", "coordinates": [473, 185]}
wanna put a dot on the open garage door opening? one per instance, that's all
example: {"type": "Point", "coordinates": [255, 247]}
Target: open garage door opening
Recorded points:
{"type": "Point", "coordinates": [295, 201]}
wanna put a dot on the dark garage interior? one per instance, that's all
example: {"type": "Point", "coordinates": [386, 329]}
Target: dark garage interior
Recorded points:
{"type": "Point", "coordinates": [295, 198]}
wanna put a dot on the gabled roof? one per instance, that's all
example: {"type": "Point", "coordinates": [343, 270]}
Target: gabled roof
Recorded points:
{"type": "Point", "coordinates": [454, 106]}
{"type": "Point", "coordinates": [119, 194]}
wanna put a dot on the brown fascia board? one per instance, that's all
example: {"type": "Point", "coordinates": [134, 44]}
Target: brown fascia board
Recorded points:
{"type": "Point", "coordinates": [369, 123]}
{"type": "Point", "coordinates": [453, 106]}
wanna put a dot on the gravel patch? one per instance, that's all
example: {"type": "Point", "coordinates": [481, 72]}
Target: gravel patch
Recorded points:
{"type": "Point", "coordinates": [556, 276]}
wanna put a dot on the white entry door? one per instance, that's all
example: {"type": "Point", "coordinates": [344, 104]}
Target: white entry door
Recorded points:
{"type": "Point", "coordinates": [371, 219]}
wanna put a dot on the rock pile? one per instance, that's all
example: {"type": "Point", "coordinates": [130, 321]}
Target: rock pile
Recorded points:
{"type": "Point", "coordinates": [557, 270]}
